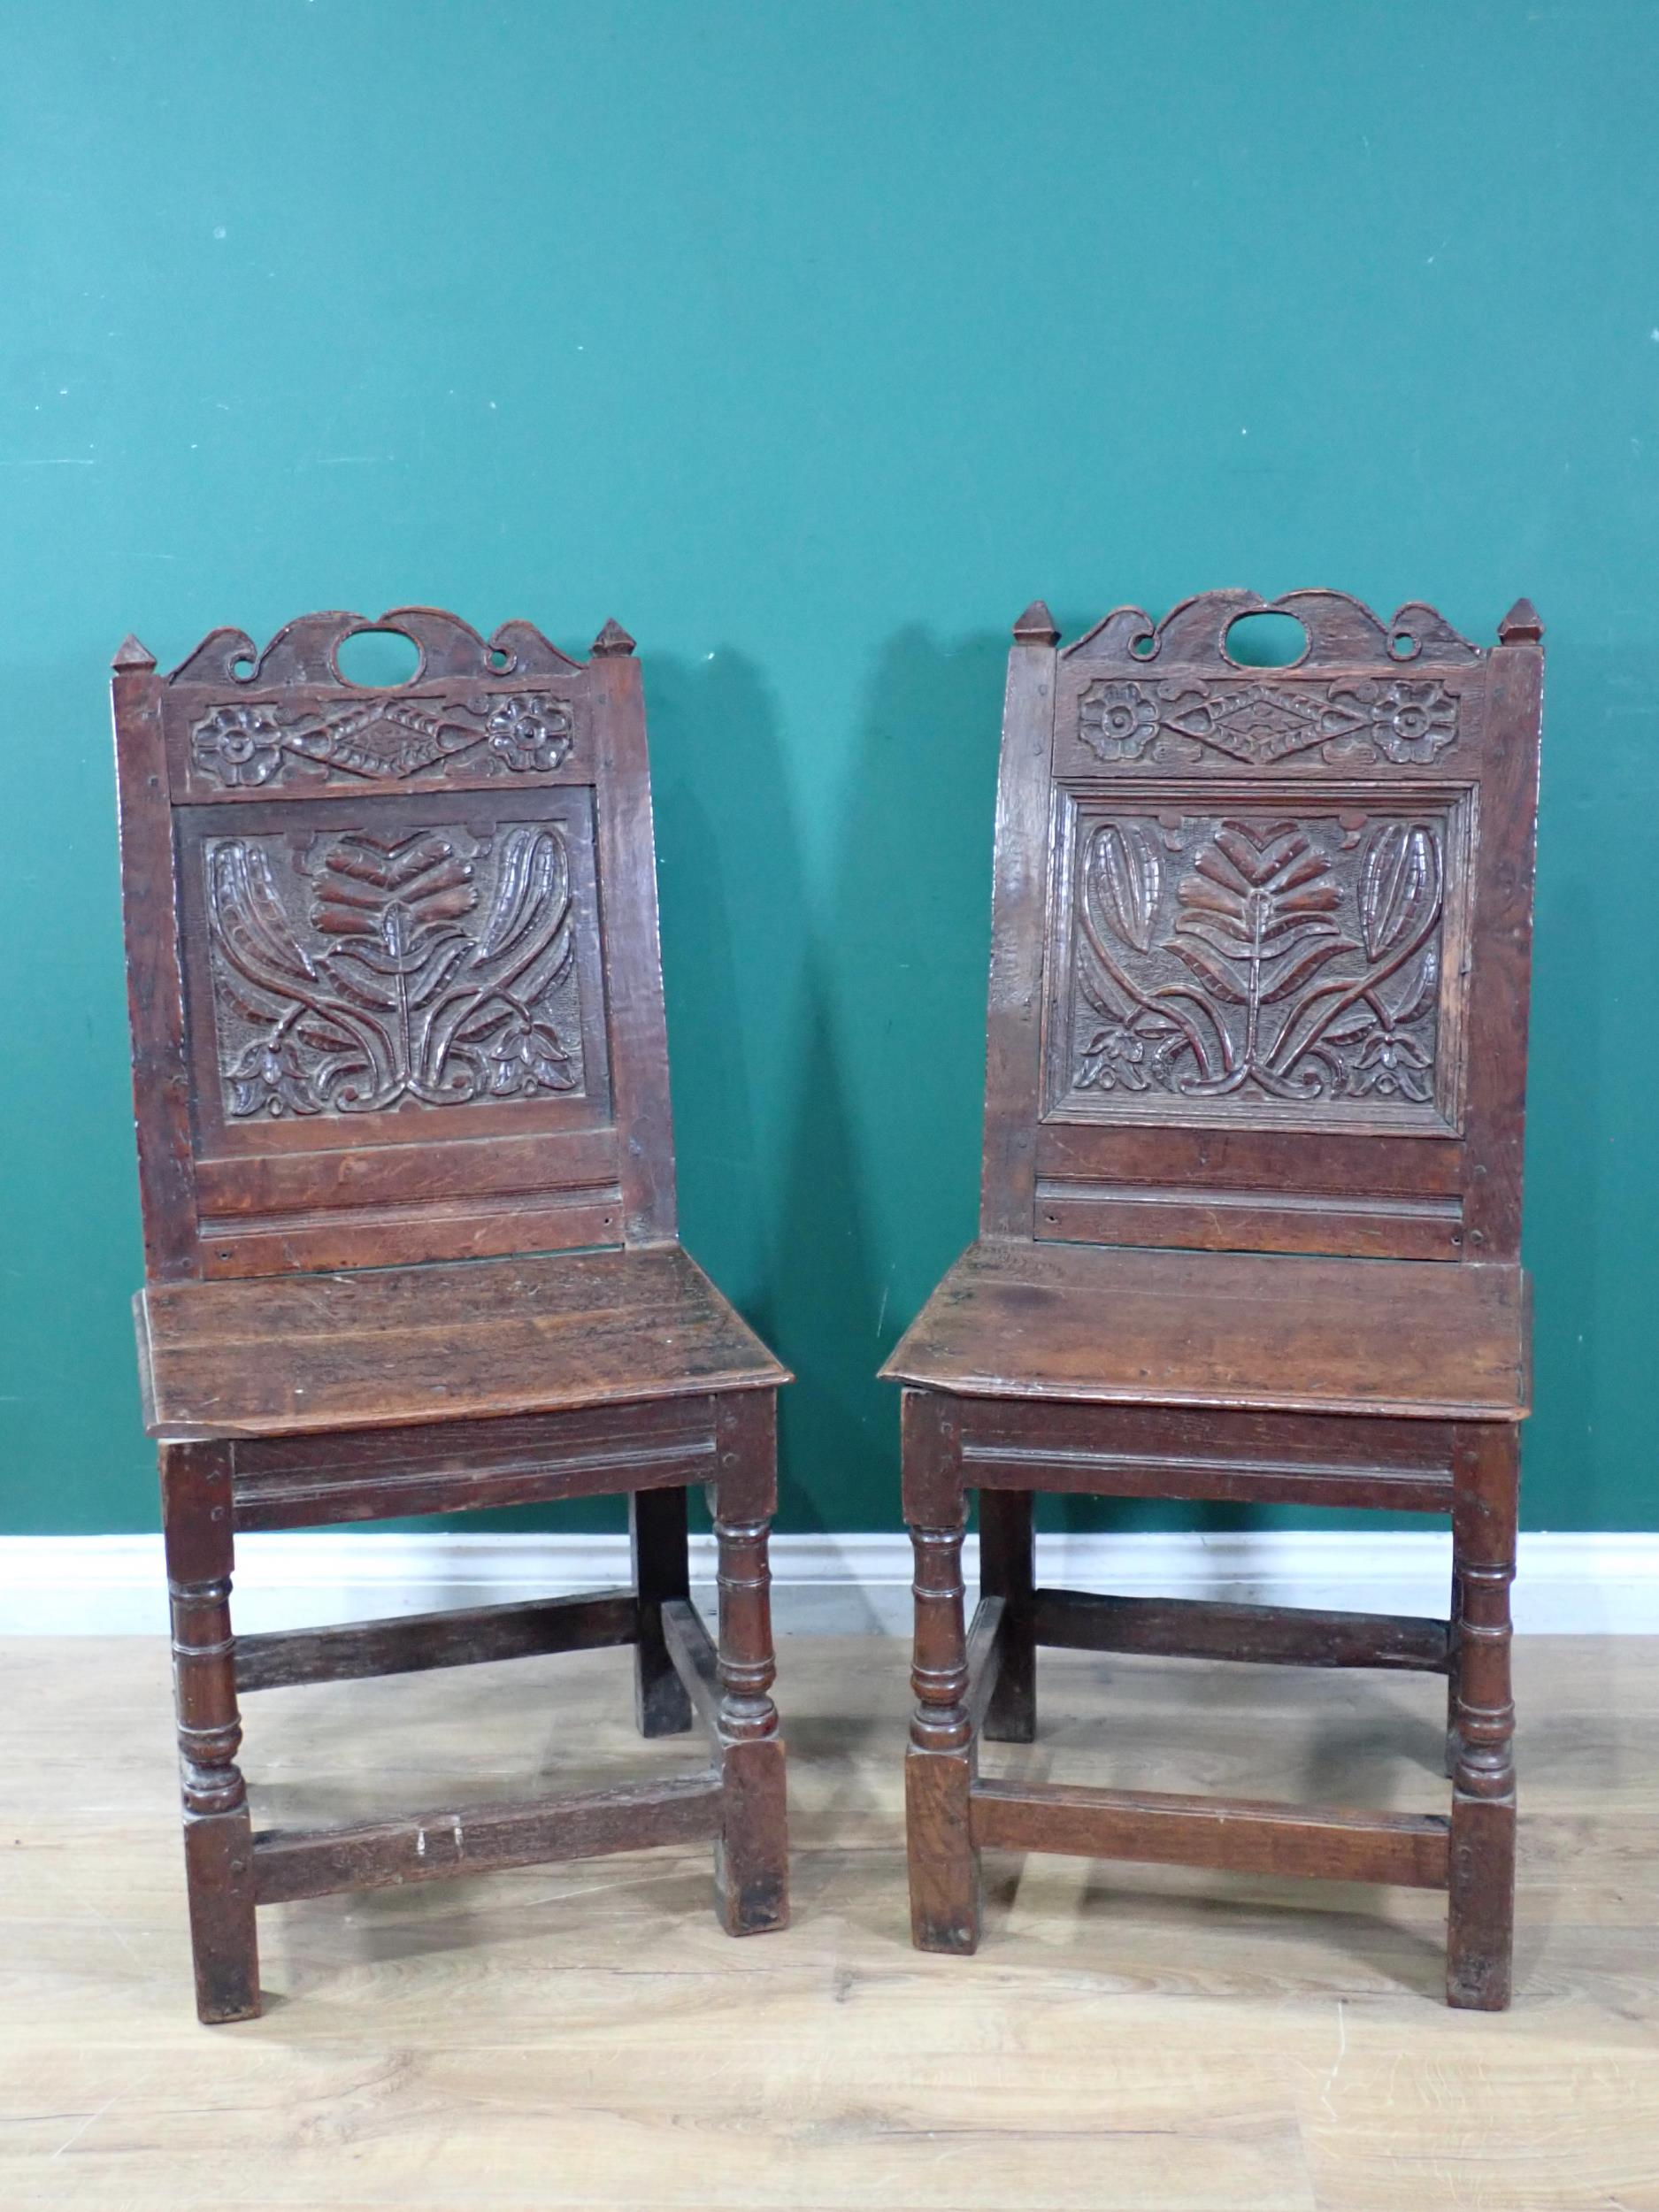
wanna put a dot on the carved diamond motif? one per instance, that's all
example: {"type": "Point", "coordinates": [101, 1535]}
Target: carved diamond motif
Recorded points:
{"type": "Point", "coordinates": [1351, 722]}
{"type": "Point", "coordinates": [244, 743]}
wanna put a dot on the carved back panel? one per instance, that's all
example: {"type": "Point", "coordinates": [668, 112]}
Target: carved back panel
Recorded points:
{"type": "Point", "coordinates": [392, 962]}
{"type": "Point", "coordinates": [1261, 939]}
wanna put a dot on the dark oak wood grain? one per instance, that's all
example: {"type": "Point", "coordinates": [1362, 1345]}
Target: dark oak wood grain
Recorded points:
{"type": "Point", "coordinates": [401, 1078]}
{"type": "Point", "coordinates": [656, 1531]}
{"type": "Point", "coordinates": [695, 1660]}
{"type": "Point", "coordinates": [1262, 1635]}
{"type": "Point", "coordinates": [478, 1839]}
{"type": "Point", "coordinates": [294, 1354]}
{"type": "Point", "coordinates": [987, 1656]}
{"type": "Point", "coordinates": [1111, 1324]}
{"type": "Point", "coordinates": [750, 1864]}
{"type": "Point", "coordinates": [155, 989]}
{"type": "Point", "coordinates": [196, 1516]}
{"type": "Point", "coordinates": [1483, 1722]}
{"type": "Point", "coordinates": [1249, 1206]}
{"type": "Point", "coordinates": [1019, 1445]}
{"type": "Point", "coordinates": [412, 1642]}
{"type": "Point", "coordinates": [1240, 1834]}
{"type": "Point", "coordinates": [461, 1466]}
{"type": "Point", "coordinates": [1007, 1571]}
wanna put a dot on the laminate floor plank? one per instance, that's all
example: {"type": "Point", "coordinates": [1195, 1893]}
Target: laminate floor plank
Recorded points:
{"type": "Point", "coordinates": [583, 2035]}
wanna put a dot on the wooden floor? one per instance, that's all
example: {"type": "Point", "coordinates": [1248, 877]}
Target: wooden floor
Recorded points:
{"type": "Point", "coordinates": [583, 2036]}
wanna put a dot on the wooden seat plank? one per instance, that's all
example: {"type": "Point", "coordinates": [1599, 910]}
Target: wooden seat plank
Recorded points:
{"type": "Point", "coordinates": [1271, 1330]}
{"type": "Point", "coordinates": [292, 1355]}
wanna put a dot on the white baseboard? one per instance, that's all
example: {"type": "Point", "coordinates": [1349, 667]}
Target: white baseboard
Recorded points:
{"type": "Point", "coordinates": [850, 1584]}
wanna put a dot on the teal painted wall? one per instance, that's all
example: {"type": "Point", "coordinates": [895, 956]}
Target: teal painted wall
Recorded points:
{"type": "Point", "coordinates": [813, 341]}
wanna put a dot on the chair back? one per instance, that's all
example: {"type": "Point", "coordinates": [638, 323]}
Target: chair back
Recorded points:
{"type": "Point", "coordinates": [392, 952]}
{"type": "Point", "coordinates": [1262, 935]}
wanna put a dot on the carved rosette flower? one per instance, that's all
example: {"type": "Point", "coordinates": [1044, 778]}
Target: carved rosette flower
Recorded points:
{"type": "Point", "coordinates": [1118, 720]}
{"type": "Point", "coordinates": [240, 745]}
{"type": "Point", "coordinates": [529, 734]}
{"type": "Point", "coordinates": [1412, 721]}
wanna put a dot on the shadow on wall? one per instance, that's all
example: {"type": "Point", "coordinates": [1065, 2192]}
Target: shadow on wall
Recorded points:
{"type": "Point", "coordinates": [861, 1084]}
{"type": "Point", "coordinates": [735, 929]}
{"type": "Point", "coordinates": [882, 1185]}
{"type": "Point", "coordinates": [1593, 1073]}
{"type": "Point", "coordinates": [827, 1051]}
{"type": "Point", "coordinates": [73, 1457]}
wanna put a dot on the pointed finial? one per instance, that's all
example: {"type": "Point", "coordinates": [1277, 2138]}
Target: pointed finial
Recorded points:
{"type": "Point", "coordinates": [612, 639]}
{"type": "Point", "coordinates": [131, 654]}
{"type": "Point", "coordinates": [1037, 625]}
{"type": "Point", "coordinates": [1521, 625]}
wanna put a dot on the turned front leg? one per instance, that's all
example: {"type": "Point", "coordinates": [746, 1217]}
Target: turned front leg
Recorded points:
{"type": "Point", "coordinates": [1481, 1917]}
{"type": "Point", "coordinates": [217, 1834]}
{"type": "Point", "coordinates": [752, 1857]}
{"type": "Point", "coordinates": [1452, 1673]}
{"type": "Point", "coordinates": [939, 1766]}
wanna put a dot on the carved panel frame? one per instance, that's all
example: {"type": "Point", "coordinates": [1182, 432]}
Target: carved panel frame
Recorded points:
{"type": "Point", "coordinates": [278, 856]}
{"type": "Point", "coordinates": [1156, 872]}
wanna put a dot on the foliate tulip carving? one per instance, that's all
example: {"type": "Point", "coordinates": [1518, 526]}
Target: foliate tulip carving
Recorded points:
{"type": "Point", "coordinates": [1277, 962]}
{"type": "Point", "coordinates": [357, 976]}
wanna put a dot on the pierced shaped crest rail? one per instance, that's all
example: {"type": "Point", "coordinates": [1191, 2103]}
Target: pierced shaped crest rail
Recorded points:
{"type": "Point", "coordinates": [305, 651]}
{"type": "Point", "coordinates": [1342, 633]}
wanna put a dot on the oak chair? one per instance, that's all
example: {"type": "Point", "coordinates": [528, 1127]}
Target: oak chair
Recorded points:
{"type": "Point", "coordinates": [407, 1174]}
{"type": "Point", "coordinates": [1251, 1208]}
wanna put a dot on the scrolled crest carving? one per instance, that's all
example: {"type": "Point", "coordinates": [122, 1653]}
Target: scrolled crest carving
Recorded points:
{"type": "Point", "coordinates": [353, 973]}
{"type": "Point", "coordinates": [303, 651]}
{"type": "Point", "coordinates": [1363, 693]}
{"type": "Point", "coordinates": [253, 717]}
{"type": "Point", "coordinates": [1343, 632]}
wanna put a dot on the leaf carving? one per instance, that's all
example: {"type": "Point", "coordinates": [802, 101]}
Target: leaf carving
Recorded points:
{"type": "Point", "coordinates": [1297, 959]}
{"type": "Point", "coordinates": [394, 997]}
{"type": "Point", "coordinates": [1301, 969]}
{"type": "Point", "coordinates": [1210, 971]}
{"type": "Point", "coordinates": [1125, 878]}
{"type": "Point", "coordinates": [1400, 886]}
